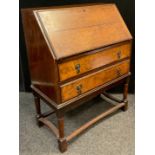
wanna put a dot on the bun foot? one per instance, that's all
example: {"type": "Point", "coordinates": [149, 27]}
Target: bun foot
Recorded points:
{"type": "Point", "coordinates": [125, 108]}
{"type": "Point", "coordinates": [62, 145]}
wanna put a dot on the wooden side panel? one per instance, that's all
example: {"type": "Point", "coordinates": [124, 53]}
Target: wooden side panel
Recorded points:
{"type": "Point", "coordinates": [73, 30]}
{"type": "Point", "coordinates": [43, 69]}
{"type": "Point", "coordinates": [89, 62]}
{"type": "Point", "coordinates": [94, 80]}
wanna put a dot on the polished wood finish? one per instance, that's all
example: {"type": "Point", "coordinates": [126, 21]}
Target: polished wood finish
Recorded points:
{"type": "Point", "coordinates": [43, 68]}
{"type": "Point", "coordinates": [82, 28]}
{"type": "Point", "coordinates": [46, 71]}
{"type": "Point", "coordinates": [38, 109]}
{"type": "Point", "coordinates": [94, 80]}
{"type": "Point", "coordinates": [62, 141]}
{"type": "Point", "coordinates": [76, 53]}
{"type": "Point", "coordinates": [81, 99]}
{"type": "Point", "coordinates": [59, 131]}
{"type": "Point", "coordinates": [125, 93]}
{"type": "Point", "coordinates": [89, 62]}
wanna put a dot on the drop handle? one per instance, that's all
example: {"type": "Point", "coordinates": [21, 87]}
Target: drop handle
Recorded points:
{"type": "Point", "coordinates": [119, 54]}
{"type": "Point", "coordinates": [79, 89]}
{"type": "Point", "coordinates": [77, 68]}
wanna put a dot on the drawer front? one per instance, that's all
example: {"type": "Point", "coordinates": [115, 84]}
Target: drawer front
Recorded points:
{"type": "Point", "coordinates": [86, 63]}
{"type": "Point", "coordinates": [94, 80]}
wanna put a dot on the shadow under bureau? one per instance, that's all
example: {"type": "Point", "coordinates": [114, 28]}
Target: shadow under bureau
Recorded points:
{"type": "Point", "coordinates": [76, 53]}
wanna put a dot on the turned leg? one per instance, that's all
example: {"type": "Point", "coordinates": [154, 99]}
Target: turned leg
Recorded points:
{"type": "Point", "coordinates": [38, 109]}
{"type": "Point", "coordinates": [125, 94]}
{"type": "Point", "coordinates": [61, 141]}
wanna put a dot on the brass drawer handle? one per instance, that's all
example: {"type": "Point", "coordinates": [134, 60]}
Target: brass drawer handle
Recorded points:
{"type": "Point", "coordinates": [119, 54]}
{"type": "Point", "coordinates": [77, 67]}
{"type": "Point", "coordinates": [118, 72]}
{"type": "Point", "coordinates": [78, 88]}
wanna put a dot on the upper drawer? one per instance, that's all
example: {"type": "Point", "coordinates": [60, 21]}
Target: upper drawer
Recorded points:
{"type": "Point", "coordinates": [83, 64]}
{"type": "Point", "coordinates": [82, 85]}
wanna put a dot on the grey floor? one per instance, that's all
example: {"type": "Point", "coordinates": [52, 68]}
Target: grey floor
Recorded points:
{"type": "Point", "coordinates": [111, 136]}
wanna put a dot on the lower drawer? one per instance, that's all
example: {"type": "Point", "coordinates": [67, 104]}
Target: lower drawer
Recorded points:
{"type": "Point", "coordinates": [82, 85]}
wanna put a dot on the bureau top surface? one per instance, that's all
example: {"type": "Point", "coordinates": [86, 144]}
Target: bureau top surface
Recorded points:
{"type": "Point", "coordinates": [73, 30]}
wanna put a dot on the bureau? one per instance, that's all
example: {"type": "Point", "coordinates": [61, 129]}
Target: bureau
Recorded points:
{"type": "Point", "coordinates": [76, 53]}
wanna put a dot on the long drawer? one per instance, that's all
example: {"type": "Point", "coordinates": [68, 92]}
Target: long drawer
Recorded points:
{"type": "Point", "coordinates": [82, 85]}
{"type": "Point", "coordinates": [83, 64]}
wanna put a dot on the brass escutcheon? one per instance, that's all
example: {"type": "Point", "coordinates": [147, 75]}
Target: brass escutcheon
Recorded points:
{"type": "Point", "coordinates": [77, 67]}
{"type": "Point", "coordinates": [78, 88]}
{"type": "Point", "coordinates": [118, 72]}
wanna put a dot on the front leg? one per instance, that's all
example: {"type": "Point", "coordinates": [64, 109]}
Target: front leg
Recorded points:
{"type": "Point", "coordinates": [62, 140]}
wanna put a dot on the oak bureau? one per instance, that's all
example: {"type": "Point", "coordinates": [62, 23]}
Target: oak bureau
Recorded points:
{"type": "Point", "coordinates": [76, 53]}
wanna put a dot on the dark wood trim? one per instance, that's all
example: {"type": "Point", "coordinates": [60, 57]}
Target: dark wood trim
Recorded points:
{"type": "Point", "coordinates": [38, 109]}
{"type": "Point", "coordinates": [125, 94]}
{"type": "Point", "coordinates": [95, 91]}
{"type": "Point", "coordinates": [61, 127]}
{"type": "Point", "coordinates": [62, 140]}
{"type": "Point", "coordinates": [59, 132]}
{"type": "Point", "coordinates": [84, 99]}
{"type": "Point", "coordinates": [37, 105]}
{"type": "Point", "coordinates": [44, 97]}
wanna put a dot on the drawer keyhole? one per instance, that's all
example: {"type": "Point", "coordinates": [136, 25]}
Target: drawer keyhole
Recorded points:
{"type": "Point", "coordinates": [118, 72]}
{"type": "Point", "coordinates": [77, 67]}
{"type": "Point", "coordinates": [78, 88]}
{"type": "Point", "coordinates": [119, 54]}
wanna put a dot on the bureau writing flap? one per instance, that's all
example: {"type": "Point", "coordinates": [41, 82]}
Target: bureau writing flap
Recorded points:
{"type": "Point", "coordinates": [73, 30]}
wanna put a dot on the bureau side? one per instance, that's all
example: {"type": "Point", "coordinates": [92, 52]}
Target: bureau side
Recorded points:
{"type": "Point", "coordinates": [42, 64]}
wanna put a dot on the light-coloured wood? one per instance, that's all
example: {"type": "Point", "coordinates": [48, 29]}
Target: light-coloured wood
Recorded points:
{"type": "Point", "coordinates": [89, 62]}
{"type": "Point", "coordinates": [82, 85]}
{"type": "Point", "coordinates": [73, 30]}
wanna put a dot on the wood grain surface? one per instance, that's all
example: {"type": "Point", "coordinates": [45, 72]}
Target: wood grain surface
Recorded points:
{"type": "Point", "coordinates": [89, 62]}
{"type": "Point", "coordinates": [79, 86]}
{"type": "Point", "coordinates": [73, 30]}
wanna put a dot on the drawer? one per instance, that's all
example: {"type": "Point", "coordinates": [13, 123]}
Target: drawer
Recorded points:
{"type": "Point", "coordinates": [82, 85]}
{"type": "Point", "coordinates": [86, 63]}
